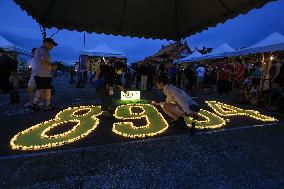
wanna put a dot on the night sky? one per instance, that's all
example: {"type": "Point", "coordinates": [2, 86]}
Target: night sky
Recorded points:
{"type": "Point", "coordinates": [242, 31]}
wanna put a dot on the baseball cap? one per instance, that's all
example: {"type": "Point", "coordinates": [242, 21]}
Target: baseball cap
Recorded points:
{"type": "Point", "coordinates": [49, 40]}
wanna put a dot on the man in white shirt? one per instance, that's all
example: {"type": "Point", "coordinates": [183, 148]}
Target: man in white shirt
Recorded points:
{"type": "Point", "coordinates": [178, 104]}
{"type": "Point", "coordinates": [31, 83]}
{"type": "Point", "coordinates": [200, 71]}
{"type": "Point", "coordinates": [42, 73]}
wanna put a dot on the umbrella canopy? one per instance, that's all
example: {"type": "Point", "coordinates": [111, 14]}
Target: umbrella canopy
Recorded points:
{"type": "Point", "coordinates": [104, 51]}
{"type": "Point", "coordinates": [163, 19]}
{"type": "Point", "coordinates": [193, 56]}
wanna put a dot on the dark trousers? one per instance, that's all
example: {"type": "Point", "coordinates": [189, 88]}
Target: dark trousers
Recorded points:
{"type": "Point", "coordinates": [150, 83]}
{"type": "Point", "coordinates": [138, 81]}
{"type": "Point", "coordinates": [4, 82]}
{"type": "Point", "coordinates": [106, 99]}
{"type": "Point", "coordinates": [223, 86]}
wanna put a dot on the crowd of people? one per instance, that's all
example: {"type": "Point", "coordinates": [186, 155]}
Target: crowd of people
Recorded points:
{"type": "Point", "coordinates": [108, 75]}
{"type": "Point", "coordinates": [245, 80]}
{"type": "Point", "coordinates": [39, 84]}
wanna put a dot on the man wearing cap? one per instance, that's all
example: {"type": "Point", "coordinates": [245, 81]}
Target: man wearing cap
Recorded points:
{"type": "Point", "coordinates": [42, 73]}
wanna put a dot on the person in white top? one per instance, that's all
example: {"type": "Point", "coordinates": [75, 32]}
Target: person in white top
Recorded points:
{"type": "Point", "coordinates": [43, 74]}
{"type": "Point", "coordinates": [178, 103]}
{"type": "Point", "coordinates": [200, 71]}
{"type": "Point", "coordinates": [31, 83]}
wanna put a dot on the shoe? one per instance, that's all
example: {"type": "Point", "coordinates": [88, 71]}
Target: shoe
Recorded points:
{"type": "Point", "coordinates": [34, 106]}
{"type": "Point", "coordinates": [27, 105]}
{"type": "Point", "coordinates": [174, 123]}
{"type": "Point", "coordinates": [106, 114]}
{"type": "Point", "coordinates": [49, 107]}
{"type": "Point", "coordinates": [192, 129]}
{"type": "Point", "coordinates": [41, 104]}
{"type": "Point", "coordinates": [181, 122]}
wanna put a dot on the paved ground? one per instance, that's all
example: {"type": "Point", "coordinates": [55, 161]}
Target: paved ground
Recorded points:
{"type": "Point", "coordinates": [240, 158]}
{"type": "Point", "coordinates": [250, 158]}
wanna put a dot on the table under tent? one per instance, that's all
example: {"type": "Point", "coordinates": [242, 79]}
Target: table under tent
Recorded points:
{"type": "Point", "coordinates": [89, 59]}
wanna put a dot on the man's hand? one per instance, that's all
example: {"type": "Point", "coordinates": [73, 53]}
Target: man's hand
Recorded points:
{"type": "Point", "coordinates": [122, 88]}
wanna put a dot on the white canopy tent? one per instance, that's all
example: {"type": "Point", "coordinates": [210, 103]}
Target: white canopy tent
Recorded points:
{"type": "Point", "coordinates": [222, 51]}
{"type": "Point", "coordinates": [190, 58]}
{"type": "Point", "coordinates": [22, 54]}
{"type": "Point", "coordinates": [104, 51]}
{"type": "Point", "coordinates": [10, 47]}
{"type": "Point", "coordinates": [273, 42]}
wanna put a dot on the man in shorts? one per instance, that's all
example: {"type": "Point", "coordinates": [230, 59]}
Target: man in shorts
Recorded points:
{"type": "Point", "coordinates": [42, 73]}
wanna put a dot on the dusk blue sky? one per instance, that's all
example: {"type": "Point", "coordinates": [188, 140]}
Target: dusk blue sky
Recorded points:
{"type": "Point", "coordinates": [244, 30]}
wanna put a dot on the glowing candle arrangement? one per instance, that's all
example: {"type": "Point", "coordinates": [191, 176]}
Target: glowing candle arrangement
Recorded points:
{"type": "Point", "coordinates": [86, 121]}
{"type": "Point", "coordinates": [156, 123]}
{"type": "Point", "coordinates": [212, 121]}
{"type": "Point", "coordinates": [228, 110]}
{"type": "Point", "coordinates": [35, 137]}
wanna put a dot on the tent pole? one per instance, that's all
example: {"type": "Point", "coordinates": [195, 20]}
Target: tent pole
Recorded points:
{"type": "Point", "coordinates": [43, 31]}
{"type": "Point", "coordinates": [84, 40]}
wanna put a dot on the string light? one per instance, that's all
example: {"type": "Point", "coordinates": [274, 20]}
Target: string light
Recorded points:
{"type": "Point", "coordinates": [155, 122]}
{"type": "Point", "coordinates": [35, 137]}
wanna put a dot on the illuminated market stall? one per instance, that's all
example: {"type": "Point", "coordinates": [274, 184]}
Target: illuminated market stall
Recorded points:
{"type": "Point", "coordinates": [90, 58]}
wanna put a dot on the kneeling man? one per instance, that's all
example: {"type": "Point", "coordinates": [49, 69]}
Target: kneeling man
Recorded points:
{"type": "Point", "coordinates": [178, 103]}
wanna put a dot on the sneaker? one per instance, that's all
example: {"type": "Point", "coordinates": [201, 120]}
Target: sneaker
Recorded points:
{"type": "Point", "coordinates": [174, 123]}
{"type": "Point", "coordinates": [27, 105]}
{"type": "Point", "coordinates": [192, 129]}
{"type": "Point", "coordinates": [41, 104]}
{"type": "Point", "coordinates": [181, 122]}
{"type": "Point", "coordinates": [106, 114]}
{"type": "Point", "coordinates": [34, 106]}
{"type": "Point", "coordinates": [49, 107]}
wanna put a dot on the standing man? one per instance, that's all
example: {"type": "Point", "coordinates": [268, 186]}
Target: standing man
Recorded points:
{"type": "Point", "coordinates": [106, 77]}
{"type": "Point", "coordinates": [7, 67]}
{"type": "Point", "coordinates": [42, 73]}
{"type": "Point", "coordinates": [200, 71]}
{"type": "Point", "coordinates": [144, 76]}
{"type": "Point", "coordinates": [223, 78]}
{"type": "Point", "coordinates": [239, 73]}
{"type": "Point", "coordinates": [190, 79]}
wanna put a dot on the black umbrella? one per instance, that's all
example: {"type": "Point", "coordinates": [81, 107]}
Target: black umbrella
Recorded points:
{"type": "Point", "coordinates": [163, 19]}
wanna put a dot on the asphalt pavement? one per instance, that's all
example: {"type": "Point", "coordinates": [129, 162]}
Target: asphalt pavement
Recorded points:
{"type": "Point", "coordinates": [244, 154]}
